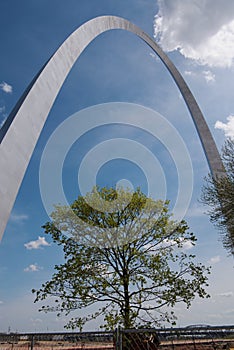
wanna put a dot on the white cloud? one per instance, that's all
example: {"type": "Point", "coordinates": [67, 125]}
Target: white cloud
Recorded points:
{"type": "Point", "coordinates": [214, 259]}
{"type": "Point", "coordinates": [186, 245]}
{"type": "Point", "coordinates": [1, 302]}
{"type": "Point", "coordinates": [40, 242]}
{"type": "Point", "coordinates": [228, 128]}
{"type": "Point", "coordinates": [154, 56]}
{"type": "Point", "coordinates": [189, 72]}
{"type": "Point", "coordinates": [209, 76]}
{"type": "Point", "coordinates": [200, 30]}
{"type": "Point", "coordinates": [206, 74]}
{"type": "Point", "coordinates": [226, 294]}
{"type": "Point", "coordinates": [32, 268]}
{"type": "Point", "coordinates": [6, 87]}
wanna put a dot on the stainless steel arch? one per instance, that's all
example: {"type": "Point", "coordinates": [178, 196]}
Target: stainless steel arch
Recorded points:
{"type": "Point", "coordinates": [21, 131]}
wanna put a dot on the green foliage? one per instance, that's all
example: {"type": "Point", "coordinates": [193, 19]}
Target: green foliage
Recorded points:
{"type": "Point", "coordinates": [124, 254]}
{"type": "Point", "coordinates": [218, 193]}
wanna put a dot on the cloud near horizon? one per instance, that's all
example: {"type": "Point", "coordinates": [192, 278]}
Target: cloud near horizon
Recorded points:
{"type": "Point", "coordinates": [200, 30]}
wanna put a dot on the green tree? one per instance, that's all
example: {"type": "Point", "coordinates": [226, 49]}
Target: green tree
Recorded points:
{"type": "Point", "coordinates": [125, 254]}
{"type": "Point", "coordinates": [218, 194]}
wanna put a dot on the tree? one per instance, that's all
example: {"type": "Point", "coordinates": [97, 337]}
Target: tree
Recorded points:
{"type": "Point", "coordinates": [218, 193]}
{"type": "Point", "coordinates": [123, 252]}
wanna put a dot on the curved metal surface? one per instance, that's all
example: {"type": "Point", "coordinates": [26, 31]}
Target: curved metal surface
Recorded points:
{"type": "Point", "coordinates": [23, 128]}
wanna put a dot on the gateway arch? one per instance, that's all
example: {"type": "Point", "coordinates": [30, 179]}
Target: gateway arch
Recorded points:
{"type": "Point", "coordinates": [22, 129]}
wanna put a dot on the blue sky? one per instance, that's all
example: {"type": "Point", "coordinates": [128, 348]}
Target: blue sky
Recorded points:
{"type": "Point", "coordinates": [116, 67]}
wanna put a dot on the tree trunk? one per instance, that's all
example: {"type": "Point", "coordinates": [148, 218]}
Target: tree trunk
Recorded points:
{"type": "Point", "coordinates": [127, 321]}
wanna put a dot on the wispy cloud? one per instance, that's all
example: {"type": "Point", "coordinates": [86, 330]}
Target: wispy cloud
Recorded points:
{"type": "Point", "coordinates": [189, 73]}
{"type": "Point", "coordinates": [2, 109]}
{"type": "Point", "coordinates": [36, 321]}
{"type": "Point", "coordinates": [214, 260]}
{"type": "Point", "coordinates": [211, 43]}
{"type": "Point", "coordinates": [40, 242]}
{"type": "Point", "coordinates": [18, 218]}
{"type": "Point", "coordinates": [228, 128]}
{"type": "Point", "coordinates": [195, 211]}
{"type": "Point", "coordinates": [206, 74]}
{"type": "Point", "coordinates": [230, 312]}
{"type": "Point", "coordinates": [209, 76]}
{"type": "Point", "coordinates": [32, 268]}
{"type": "Point", "coordinates": [226, 294]}
{"type": "Point", "coordinates": [154, 56]}
{"type": "Point", "coordinates": [7, 88]}
{"type": "Point", "coordinates": [1, 302]}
